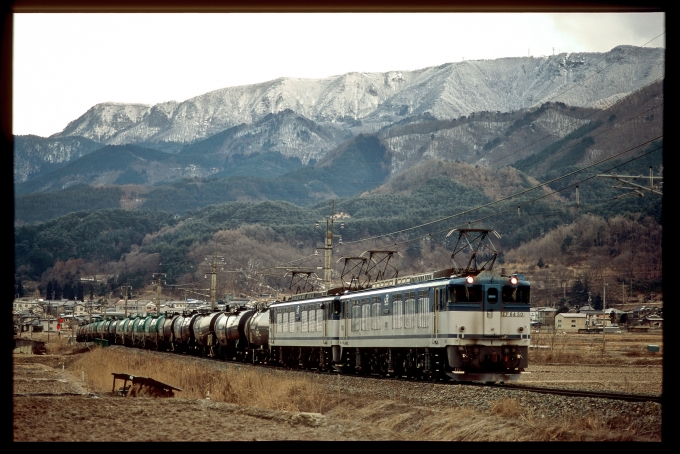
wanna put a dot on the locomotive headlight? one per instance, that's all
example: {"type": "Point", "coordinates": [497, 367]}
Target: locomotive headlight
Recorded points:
{"type": "Point", "coordinates": [520, 329]}
{"type": "Point", "coordinates": [469, 279]}
{"type": "Point", "coordinates": [462, 328]}
{"type": "Point", "coordinates": [513, 280]}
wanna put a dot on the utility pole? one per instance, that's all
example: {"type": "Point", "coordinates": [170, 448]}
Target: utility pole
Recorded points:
{"type": "Point", "coordinates": [328, 245]}
{"type": "Point", "coordinates": [49, 319]}
{"type": "Point", "coordinates": [216, 260]}
{"type": "Point", "coordinates": [623, 293]}
{"type": "Point", "coordinates": [126, 288]}
{"type": "Point", "coordinates": [160, 276]}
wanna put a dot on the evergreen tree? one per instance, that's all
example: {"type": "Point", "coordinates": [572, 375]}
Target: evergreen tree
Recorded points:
{"type": "Point", "coordinates": [56, 290]}
{"type": "Point", "coordinates": [79, 292]}
{"type": "Point", "coordinates": [597, 302]}
{"type": "Point", "coordinates": [19, 289]}
{"type": "Point", "coordinates": [68, 291]}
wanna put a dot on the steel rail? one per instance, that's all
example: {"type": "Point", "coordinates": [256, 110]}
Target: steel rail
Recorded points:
{"type": "Point", "coordinates": [439, 380]}
{"type": "Point", "coordinates": [576, 392]}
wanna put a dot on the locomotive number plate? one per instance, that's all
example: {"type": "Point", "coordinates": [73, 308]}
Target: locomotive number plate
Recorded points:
{"type": "Point", "coordinates": [512, 314]}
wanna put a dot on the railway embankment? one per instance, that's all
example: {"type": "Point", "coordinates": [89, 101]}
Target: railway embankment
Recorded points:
{"type": "Point", "coordinates": [276, 404]}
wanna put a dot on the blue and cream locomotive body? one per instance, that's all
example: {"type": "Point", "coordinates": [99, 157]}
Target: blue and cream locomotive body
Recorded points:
{"type": "Point", "coordinates": [471, 327]}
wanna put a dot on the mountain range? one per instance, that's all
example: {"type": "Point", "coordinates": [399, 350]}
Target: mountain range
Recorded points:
{"type": "Point", "coordinates": [488, 113]}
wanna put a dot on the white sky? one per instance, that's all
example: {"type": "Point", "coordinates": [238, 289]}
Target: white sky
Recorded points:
{"type": "Point", "coordinates": [66, 63]}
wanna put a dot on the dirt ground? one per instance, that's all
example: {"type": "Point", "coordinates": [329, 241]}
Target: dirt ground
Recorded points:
{"type": "Point", "coordinates": [51, 403]}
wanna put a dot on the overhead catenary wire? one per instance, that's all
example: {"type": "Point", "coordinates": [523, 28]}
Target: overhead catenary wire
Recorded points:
{"type": "Point", "coordinates": [517, 194]}
{"type": "Point", "coordinates": [533, 200]}
{"type": "Point", "coordinates": [523, 148]}
{"type": "Point", "coordinates": [616, 125]}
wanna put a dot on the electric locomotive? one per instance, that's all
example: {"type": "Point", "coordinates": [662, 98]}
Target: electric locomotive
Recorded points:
{"type": "Point", "coordinates": [467, 323]}
{"type": "Point", "coordinates": [472, 327]}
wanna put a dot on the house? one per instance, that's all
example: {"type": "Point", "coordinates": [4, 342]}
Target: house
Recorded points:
{"type": "Point", "coordinates": [546, 316]}
{"type": "Point", "coordinates": [570, 322]}
{"type": "Point", "coordinates": [176, 305]}
{"type": "Point", "coordinates": [638, 315]}
{"type": "Point", "coordinates": [614, 314]}
{"type": "Point", "coordinates": [79, 309]}
{"type": "Point", "coordinates": [25, 304]}
{"type": "Point", "coordinates": [135, 306]}
{"type": "Point", "coordinates": [48, 324]}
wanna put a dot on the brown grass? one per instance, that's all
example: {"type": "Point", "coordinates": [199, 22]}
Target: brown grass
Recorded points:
{"type": "Point", "coordinates": [506, 419]}
{"type": "Point", "coordinates": [59, 345]}
{"type": "Point", "coordinates": [507, 407]}
{"type": "Point", "coordinates": [239, 386]}
{"type": "Point", "coordinates": [552, 346]}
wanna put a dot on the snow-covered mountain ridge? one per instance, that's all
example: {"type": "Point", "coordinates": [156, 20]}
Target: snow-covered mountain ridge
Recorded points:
{"type": "Point", "coordinates": [365, 102]}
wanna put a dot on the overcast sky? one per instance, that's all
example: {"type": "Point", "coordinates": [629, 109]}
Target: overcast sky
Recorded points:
{"type": "Point", "coordinates": [66, 63]}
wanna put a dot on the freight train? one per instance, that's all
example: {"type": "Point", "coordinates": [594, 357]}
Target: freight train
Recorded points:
{"type": "Point", "coordinates": [461, 323]}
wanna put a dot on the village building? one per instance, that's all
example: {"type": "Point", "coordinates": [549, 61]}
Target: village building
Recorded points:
{"type": "Point", "coordinates": [135, 306]}
{"type": "Point", "coordinates": [26, 304]}
{"type": "Point", "coordinates": [570, 322]}
{"type": "Point", "coordinates": [545, 316]}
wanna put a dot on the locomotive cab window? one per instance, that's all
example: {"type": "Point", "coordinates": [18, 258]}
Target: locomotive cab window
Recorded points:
{"type": "Point", "coordinates": [511, 294]}
{"type": "Point", "coordinates": [464, 294]}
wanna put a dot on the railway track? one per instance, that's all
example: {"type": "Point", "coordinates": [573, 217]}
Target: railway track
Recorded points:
{"type": "Point", "coordinates": [577, 393]}
{"type": "Point", "coordinates": [518, 387]}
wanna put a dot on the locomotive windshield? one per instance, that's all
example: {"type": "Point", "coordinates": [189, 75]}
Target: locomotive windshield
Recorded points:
{"type": "Point", "coordinates": [464, 294]}
{"type": "Point", "coordinates": [515, 294]}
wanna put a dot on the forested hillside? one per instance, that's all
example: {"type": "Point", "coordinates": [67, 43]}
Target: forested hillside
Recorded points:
{"type": "Point", "coordinates": [421, 206]}
{"type": "Point", "coordinates": [117, 215]}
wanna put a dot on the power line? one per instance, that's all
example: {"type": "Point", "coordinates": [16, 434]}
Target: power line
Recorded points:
{"type": "Point", "coordinates": [508, 197]}
{"type": "Point", "coordinates": [582, 141]}
{"type": "Point", "coordinates": [429, 235]}
{"type": "Point", "coordinates": [530, 201]}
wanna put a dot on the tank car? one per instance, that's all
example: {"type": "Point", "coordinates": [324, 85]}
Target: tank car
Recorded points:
{"type": "Point", "coordinates": [204, 332]}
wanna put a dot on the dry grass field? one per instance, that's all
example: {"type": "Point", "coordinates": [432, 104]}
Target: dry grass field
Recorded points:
{"type": "Point", "coordinates": [249, 403]}
{"type": "Point", "coordinates": [623, 348]}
